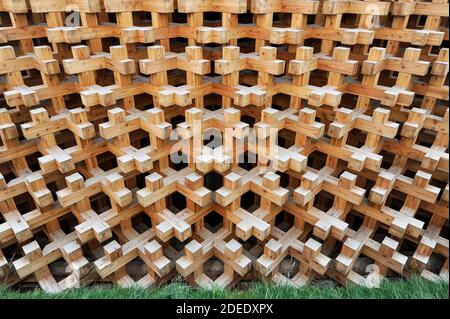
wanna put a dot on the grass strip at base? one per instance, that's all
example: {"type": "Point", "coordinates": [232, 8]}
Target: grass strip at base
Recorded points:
{"type": "Point", "coordinates": [412, 288]}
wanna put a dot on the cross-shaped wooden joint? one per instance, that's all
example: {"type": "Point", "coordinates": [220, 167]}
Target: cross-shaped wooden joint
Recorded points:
{"type": "Point", "coordinates": [265, 63]}
{"type": "Point", "coordinates": [338, 65]}
{"type": "Point", "coordinates": [38, 190]}
{"type": "Point", "coordinates": [285, 243]}
{"type": "Point", "coordinates": [91, 224]}
{"type": "Point", "coordinates": [142, 246]}
{"type": "Point", "coordinates": [15, 220]}
{"type": "Point", "coordinates": [42, 60]}
{"type": "Point", "coordinates": [159, 62]}
{"type": "Point", "coordinates": [111, 183]}
{"type": "Point", "coordinates": [206, 35]}
{"type": "Point", "coordinates": [406, 67]}
{"type": "Point", "coordinates": [377, 125]}
{"type": "Point", "coordinates": [44, 128]}
{"type": "Point", "coordinates": [213, 244]}
{"type": "Point", "coordinates": [117, 128]}
{"type": "Point", "coordinates": [100, 60]}
{"type": "Point", "coordinates": [35, 261]}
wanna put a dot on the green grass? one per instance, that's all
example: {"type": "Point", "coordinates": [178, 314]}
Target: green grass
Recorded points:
{"type": "Point", "coordinates": [412, 288]}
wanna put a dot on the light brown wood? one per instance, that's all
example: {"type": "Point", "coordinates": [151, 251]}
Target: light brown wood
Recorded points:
{"type": "Point", "coordinates": [333, 122]}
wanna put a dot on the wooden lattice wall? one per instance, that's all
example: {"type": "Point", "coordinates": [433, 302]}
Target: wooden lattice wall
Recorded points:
{"type": "Point", "coordinates": [223, 140]}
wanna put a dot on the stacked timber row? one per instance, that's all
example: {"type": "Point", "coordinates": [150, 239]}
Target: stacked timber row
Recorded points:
{"type": "Point", "coordinates": [223, 140]}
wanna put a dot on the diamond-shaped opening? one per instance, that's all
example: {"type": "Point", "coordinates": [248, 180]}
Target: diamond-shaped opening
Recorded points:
{"type": "Point", "coordinates": [176, 77]}
{"type": "Point", "coordinates": [72, 101]}
{"type": "Point", "coordinates": [212, 16]}
{"type": "Point", "coordinates": [248, 119]}
{"type": "Point", "coordinates": [245, 18]}
{"type": "Point", "coordinates": [286, 138]}
{"type": "Point", "coordinates": [323, 200]}
{"type": "Point", "coordinates": [247, 45]}
{"type": "Point", "coordinates": [178, 45]}
{"type": "Point", "coordinates": [380, 234]}
{"type": "Point", "coordinates": [248, 77]}
{"type": "Point", "coordinates": [250, 201]}
{"type": "Point", "coordinates": [280, 101]}
{"type": "Point", "coordinates": [213, 181]}
{"type": "Point", "coordinates": [350, 18]}
{"type": "Point", "coordinates": [139, 138]}
{"type": "Point", "coordinates": [32, 161]}
{"type": "Point", "coordinates": [436, 263]}
{"type": "Point", "coordinates": [105, 77]}
{"type": "Point", "coordinates": [407, 247]}
{"type": "Point", "coordinates": [141, 222]}
{"type": "Point", "coordinates": [176, 202]}
{"type": "Point", "coordinates": [354, 220]}
{"type": "Point", "coordinates": [142, 17]}
{"type": "Point", "coordinates": [213, 221]}
{"type": "Point", "coordinates": [107, 161]}
{"type": "Point", "coordinates": [318, 77]}
{"type": "Point", "coordinates": [423, 216]}
{"type": "Point", "coordinates": [289, 267]}
{"type": "Point", "coordinates": [213, 101]}
{"type": "Point", "coordinates": [349, 100]}
{"type": "Point", "coordinates": [334, 250]}
{"type": "Point", "coordinates": [178, 245]}
{"type": "Point", "coordinates": [356, 138]}
{"type": "Point", "coordinates": [426, 137]}
{"type": "Point", "coordinates": [24, 203]}
{"type": "Point", "coordinates": [65, 139]}
{"type": "Point", "coordinates": [388, 158]}
{"type": "Point", "coordinates": [284, 221]}
{"type": "Point", "coordinates": [364, 265]}
{"type": "Point", "coordinates": [179, 17]}
{"type": "Point", "coordinates": [136, 269]}
{"type": "Point", "coordinates": [59, 269]}
{"type": "Point", "coordinates": [247, 160]}
{"type": "Point", "coordinates": [41, 238]}
{"type": "Point", "coordinates": [100, 203]}
{"type": "Point", "coordinates": [68, 223]}
{"type": "Point", "coordinates": [144, 101]}
{"type": "Point", "coordinates": [31, 77]}
{"type": "Point", "coordinates": [316, 160]}
{"type": "Point", "coordinates": [389, 77]}
{"type": "Point", "coordinates": [395, 200]}
{"type": "Point", "coordinates": [213, 268]}
{"type": "Point", "coordinates": [311, 42]}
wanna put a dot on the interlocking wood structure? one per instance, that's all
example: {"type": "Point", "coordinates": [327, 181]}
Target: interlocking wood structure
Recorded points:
{"type": "Point", "coordinates": [223, 141]}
